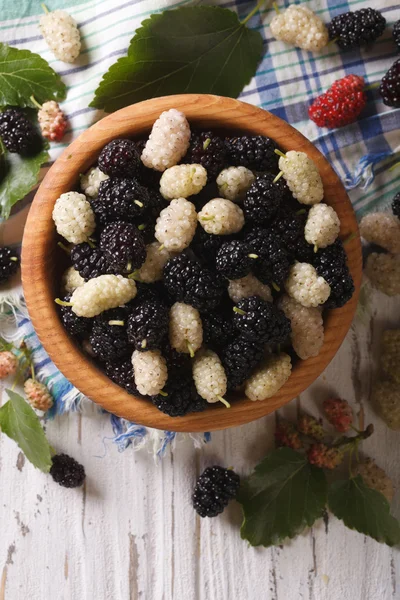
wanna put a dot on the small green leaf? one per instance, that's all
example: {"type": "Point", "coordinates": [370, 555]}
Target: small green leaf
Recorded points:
{"type": "Point", "coordinates": [24, 74]}
{"type": "Point", "coordinates": [19, 421]}
{"type": "Point", "coordinates": [283, 496]}
{"type": "Point", "coordinates": [195, 49]}
{"type": "Point", "coordinates": [4, 345]}
{"type": "Point", "coordinates": [363, 509]}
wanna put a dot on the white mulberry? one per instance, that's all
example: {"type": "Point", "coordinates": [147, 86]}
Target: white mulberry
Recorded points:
{"type": "Point", "coordinates": [176, 225]}
{"type": "Point", "coordinates": [168, 141]}
{"type": "Point", "coordinates": [302, 177]}
{"type": "Point", "coordinates": [102, 293]}
{"type": "Point", "coordinates": [90, 181]}
{"type": "Point", "coordinates": [299, 26]}
{"type": "Point", "coordinates": [382, 229]}
{"type": "Point", "coordinates": [307, 327]}
{"type": "Point", "coordinates": [61, 34]}
{"type": "Point", "coordinates": [38, 395]}
{"type": "Point", "coordinates": [234, 182]}
{"type": "Point", "coordinates": [209, 376]}
{"type": "Point", "coordinates": [185, 328]}
{"type": "Point", "coordinates": [182, 181]}
{"type": "Point", "coordinates": [52, 121]}
{"type": "Point", "coordinates": [221, 217]}
{"type": "Point", "coordinates": [71, 280]}
{"type": "Point", "coordinates": [383, 271]}
{"type": "Point", "coordinates": [156, 259]}
{"type": "Point", "coordinates": [150, 370]}
{"type": "Point", "coordinates": [375, 478]}
{"type": "Point", "coordinates": [322, 226]}
{"type": "Point", "coordinates": [268, 379]}
{"type": "Point", "coordinates": [73, 217]}
{"type": "Point", "coordinates": [248, 286]}
{"type": "Point", "coordinates": [305, 286]}
{"type": "Point", "coordinates": [386, 395]}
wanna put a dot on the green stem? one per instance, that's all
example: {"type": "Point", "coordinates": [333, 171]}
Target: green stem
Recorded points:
{"type": "Point", "coordinates": [332, 42]}
{"type": "Point", "coordinates": [64, 247]}
{"type": "Point", "coordinates": [143, 344]}
{"type": "Point", "coordinates": [91, 243]}
{"type": "Point", "coordinates": [225, 402]}
{"type": "Point", "coordinates": [142, 226]}
{"type": "Point", "coordinates": [372, 86]}
{"type": "Point", "coordinates": [33, 372]}
{"type": "Point", "coordinates": [277, 178]}
{"type": "Point", "coordinates": [62, 302]}
{"type": "Point", "coordinates": [253, 256]}
{"type": "Point", "coordinates": [190, 348]}
{"type": "Point", "coordinates": [206, 143]}
{"type": "Point", "coordinates": [276, 9]}
{"type": "Point", "coordinates": [162, 393]}
{"type": "Point", "coordinates": [302, 211]}
{"type": "Point", "coordinates": [393, 167]}
{"type": "Point", "coordinates": [239, 311]}
{"type": "Point", "coordinates": [161, 248]}
{"type": "Point", "coordinates": [35, 102]}
{"type": "Point", "coordinates": [138, 203]}
{"type": "Point", "coordinates": [14, 258]}
{"type": "Point", "coordinates": [275, 286]}
{"type": "Point", "coordinates": [315, 248]}
{"type": "Point", "coordinates": [120, 323]}
{"type": "Point", "coordinates": [279, 153]}
{"type": "Point", "coordinates": [45, 9]}
{"type": "Point", "coordinates": [253, 12]}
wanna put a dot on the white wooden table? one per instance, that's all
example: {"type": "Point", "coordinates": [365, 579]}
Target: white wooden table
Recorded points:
{"type": "Point", "coordinates": [131, 533]}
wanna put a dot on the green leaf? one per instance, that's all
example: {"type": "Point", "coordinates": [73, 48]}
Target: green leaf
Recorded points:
{"type": "Point", "coordinates": [4, 345]}
{"type": "Point", "coordinates": [283, 496]}
{"type": "Point", "coordinates": [24, 74]}
{"type": "Point", "coordinates": [19, 421]}
{"type": "Point", "coordinates": [198, 49]}
{"type": "Point", "coordinates": [363, 509]}
{"type": "Point", "coordinates": [21, 175]}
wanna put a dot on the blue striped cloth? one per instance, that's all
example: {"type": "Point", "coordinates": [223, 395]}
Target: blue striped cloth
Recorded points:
{"type": "Point", "coordinates": [286, 81]}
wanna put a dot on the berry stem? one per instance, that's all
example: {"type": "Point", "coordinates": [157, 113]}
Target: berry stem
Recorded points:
{"type": "Point", "coordinates": [91, 243]}
{"type": "Point", "coordinates": [190, 348]}
{"type": "Point", "coordinates": [134, 275]}
{"type": "Point", "coordinates": [14, 258]}
{"type": "Point", "coordinates": [315, 248]}
{"type": "Point", "coordinates": [207, 218]}
{"type": "Point", "coordinates": [162, 393]}
{"type": "Point", "coordinates": [129, 266]}
{"type": "Point", "coordinates": [45, 9]}
{"type": "Point", "coordinates": [62, 302]}
{"type": "Point", "coordinates": [225, 402]}
{"type": "Point", "coordinates": [253, 256]}
{"type": "Point", "coordinates": [64, 247]}
{"type": "Point", "coordinates": [372, 86]}
{"type": "Point", "coordinates": [35, 102]}
{"type": "Point", "coordinates": [253, 12]}
{"type": "Point", "coordinates": [279, 153]}
{"type": "Point", "coordinates": [275, 286]}
{"type": "Point", "coordinates": [332, 42]}
{"type": "Point", "coordinates": [278, 177]}
{"type": "Point", "coordinates": [393, 167]}
{"type": "Point", "coordinates": [143, 345]}
{"type": "Point", "coordinates": [161, 248]}
{"type": "Point", "coordinates": [239, 311]}
{"type": "Point", "coordinates": [115, 322]}
{"type": "Point", "coordinates": [206, 143]}
{"type": "Point", "coordinates": [142, 226]}
{"type": "Point", "coordinates": [138, 203]}
{"type": "Point", "coordinates": [276, 8]}
{"type": "Point", "coordinates": [302, 211]}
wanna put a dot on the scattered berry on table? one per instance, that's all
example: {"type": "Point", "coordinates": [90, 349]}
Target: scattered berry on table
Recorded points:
{"type": "Point", "coordinates": [89, 262]}
{"type": "Point", "coordinates": [168, 141]}
{"type": "Point", "coordinates": [9, 263]}
{"type": "Point", "coordinates": [52, 121]}
{"type": "Point", "coordinates": [341, 104]}
{"type": "Point", "coordinates": [214, 489]}
{"type": "Point", "coordinates": [302, 177]}
{"type": "Point", "coordinates": [287, 435]}
{"type": "Point", "coordinates": [123, 246]}
{"type": "Point", "coordinates": [307, 327]}
{"type": "Point", "coordinates": [382, 229]}
{"type": "Point", "coordinates": [261, 321]}
{"type": "Point", "coordinates": [8, 364]}
{"type": "Point", "coordinates": [109, 338]}
{"type": "Point", "coordinates": [331, 264]}
{"type": "Point", "coordinates": [355, 29]}
{"type": "Point", "coordinates": [181, 396]}
{"type": "Point", "coordinates": [156, 259]}
{"type": "Point", "coordinates": [217, 329]}
{"type": "Point", "coordinates": [311, 427]}
{"type": "Point", "coordinates": [186, 281]}
{"type": "Point", "coordinates": [248, 286]}
{"type": "Point", "coordinates": [234, 182]}
{"type": "Point", "coordinates": [324, 457]}
{"type": "Point", "coordinates": [73, 217]}
{"type": "Point", "coordinates": [375, 478]}
{"type": "Point", "coordinates": [38, 395]}
{"type": "Point", "coordinates": [66, 471]}
{"type": "Point", "coordinates": [102, 293]}
{"type": "Point", "coordinates": [383, 271]}
{"type": "Point", "coordinates": [234, 259]}
{"type": "Point", "coordinates": [396, 205]}
{"type": "Point", "coordinates": [386, 396]}
{"type": "Point", "coordinates": [221, 217]}
{"type": "Point", "coordinates": [305, 286]}
{"type": "Point", "coordinates": [76, 326]}
{"type": "Point", "coordinates": [120, 158]}
{"type": "Point", "coordinates": [322, 226]}
{"type": "Point", "coordinates": [185, 328]}
{"type": "Point", "coordinates": [148, 325]}
{"type": "Point", "coordinates": [150, 370]}
{"type": "Point", "coordinates": [176, 225]}
{"type": "Point", "coordinates": [396, 33]}
{"type": "Point", "coordinates": [121, 199]}
{"type": "Point", "coordinates": [269, 377]}
{"type": "Point", "coordinates": [256, 153]}
{"type": "Point", "coordinates": [209, 376]}
{"type": "Point", "coordinates": [182, 181]}
{"type": "Point", "coordinates": [273, 263]}
{"type": "Point", "coordinates": [339, 413]}
{"type": "Point", "coordinates": [390, 86]}
{"type": "Point", "coordinates": [239, 358]}
{"type": "Point", "coordinates": [90, 181]}
{"type": "Point", "coordinates": [390, 354]}
{"type": "Point", "coordinates": [61, 34]}
{"type": "Point", "coordinates": [209, 150]}
{"type": "Point", "coordinates": [17, 132]}
{"type": "Point", "coordinates": [121, 373]}
{"type": "Point", "coordinates": [71, 280]}
{"type": "Point", "coordinates": [299, 26]}
{"type": "Point", "coordinates": [263, 199]}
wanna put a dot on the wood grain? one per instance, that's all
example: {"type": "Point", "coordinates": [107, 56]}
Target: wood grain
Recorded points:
{"type": "Point", "coordinates": [41, 270]}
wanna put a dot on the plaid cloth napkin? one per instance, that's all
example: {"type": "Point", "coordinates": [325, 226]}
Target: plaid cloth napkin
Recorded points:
{"type": "Point", "coordinates": [286, 81]}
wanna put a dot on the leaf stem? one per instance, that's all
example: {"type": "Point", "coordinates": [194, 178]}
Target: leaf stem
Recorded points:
{"type": "Point", "coordinates": [253, 12]}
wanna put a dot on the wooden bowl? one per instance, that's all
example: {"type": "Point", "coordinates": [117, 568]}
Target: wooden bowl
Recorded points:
{"type": "Point", "coordinates": [42, 264]}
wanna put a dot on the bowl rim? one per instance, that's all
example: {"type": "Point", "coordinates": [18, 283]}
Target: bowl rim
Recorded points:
{"type": "Point", "coordinates": [39, 247]}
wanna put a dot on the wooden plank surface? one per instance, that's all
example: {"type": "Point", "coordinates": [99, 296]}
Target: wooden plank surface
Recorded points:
{"type": "Point", "coordinates": [131, 532]}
